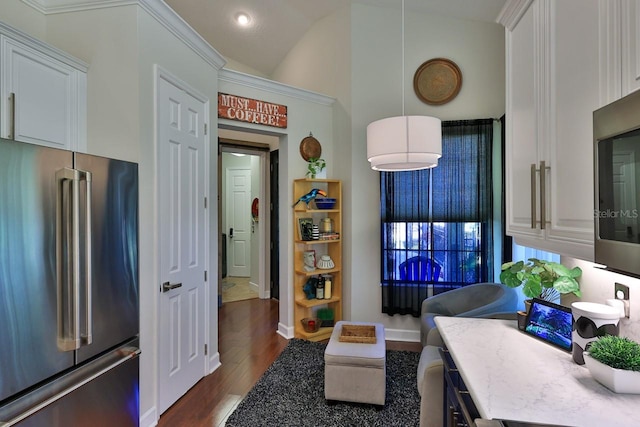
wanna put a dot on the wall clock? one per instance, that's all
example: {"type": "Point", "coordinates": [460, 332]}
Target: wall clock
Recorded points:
{"type": "Point", "coordinates": [437, 81]}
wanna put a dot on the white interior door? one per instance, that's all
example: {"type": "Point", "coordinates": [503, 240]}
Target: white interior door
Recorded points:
{"type": "Point", "coordinates": [181, 191]}
{"type": "Point", "coordinates": [238, 203]}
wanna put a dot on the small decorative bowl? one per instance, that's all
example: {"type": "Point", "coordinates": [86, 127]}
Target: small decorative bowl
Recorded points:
{"type": "Point", "coordinates": [325, 262]}
{"type": "Point", "coordinates": [310, 324]}
{"type": "Point", "coordinates": [325, 203]}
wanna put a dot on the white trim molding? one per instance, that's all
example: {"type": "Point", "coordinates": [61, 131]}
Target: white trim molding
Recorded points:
{"type": "Point", "coordinates": [260, 83]}
{"type": "Point", "coordinates": [512, 12]}
{"type": "Point", "coordinates": [157, 9]}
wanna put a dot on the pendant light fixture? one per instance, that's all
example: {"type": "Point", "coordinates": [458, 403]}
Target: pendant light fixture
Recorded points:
{"type": "Point", "coordinates": [404, 142]}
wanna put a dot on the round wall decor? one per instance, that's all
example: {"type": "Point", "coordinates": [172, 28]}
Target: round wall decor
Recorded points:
{"type": "Point", "coordinates": [310, 148]}
{"type": "Point", "coordinates": [437, 81]}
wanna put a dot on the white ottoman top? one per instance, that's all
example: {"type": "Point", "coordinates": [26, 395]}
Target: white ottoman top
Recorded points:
{"type": "Point", "coordinates": [356, 354]}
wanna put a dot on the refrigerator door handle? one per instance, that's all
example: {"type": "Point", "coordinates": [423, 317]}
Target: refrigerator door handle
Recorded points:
{"type": "Point", "coordinates": [67, 264]}
{"type": "Point", "coordinates": [87, 335]}
{"type": "Point", "coordinates": [116, 359]}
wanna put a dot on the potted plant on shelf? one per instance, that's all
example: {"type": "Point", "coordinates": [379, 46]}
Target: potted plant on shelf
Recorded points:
{"type": "Point", "coordinates": [315, 166]}
{"type": "Point", "coordinates": [614, 362]}
{"type": "Point", "coordinates": [541, 279]}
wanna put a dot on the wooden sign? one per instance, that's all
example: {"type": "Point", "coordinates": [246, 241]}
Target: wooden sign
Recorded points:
{"type": "Point", "coordinates": [251, 110]}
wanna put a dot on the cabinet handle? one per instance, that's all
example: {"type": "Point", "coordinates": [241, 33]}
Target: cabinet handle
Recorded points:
{"type": "Point", "coordinates": [543, 195]}
{"type": "Point", "coordinates": [533, 196]}
{"type": "Point", "coordinates": [12, 116]}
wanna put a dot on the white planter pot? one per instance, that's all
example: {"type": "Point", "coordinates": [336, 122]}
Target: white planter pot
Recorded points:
{"type": "Point", "coordinates": [590, 322]}
{"type": "Point", "coordinates": [616, 380]}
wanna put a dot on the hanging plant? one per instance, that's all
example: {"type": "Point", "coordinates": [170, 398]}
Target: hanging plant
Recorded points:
{"type": "Point", "coordinates": [314, 166]}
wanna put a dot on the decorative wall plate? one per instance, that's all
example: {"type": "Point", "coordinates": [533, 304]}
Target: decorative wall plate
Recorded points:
{"type": "Point", "coordinates": [310, 148]}
{"type": "Point", "coordinates": [437, 81]}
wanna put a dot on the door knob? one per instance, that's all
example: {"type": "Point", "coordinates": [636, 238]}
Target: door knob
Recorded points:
{"type": "Point", "coordinates": [231, 233]}
{"type": "Point", "coordinates": [166, 286]}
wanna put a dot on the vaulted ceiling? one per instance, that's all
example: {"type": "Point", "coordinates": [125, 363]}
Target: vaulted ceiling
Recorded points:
{"type": "Point", "coordinates": [276, 25]}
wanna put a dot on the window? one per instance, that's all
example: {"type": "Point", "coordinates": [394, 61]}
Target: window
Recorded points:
{"type": "Point", "coordinates": [437, 223]}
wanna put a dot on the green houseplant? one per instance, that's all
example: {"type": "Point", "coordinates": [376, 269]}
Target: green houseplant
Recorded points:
{"type": "Point", "coordinates": [617, 352]}
{"type": "Point", "coordinates": [314, 166]}
{"type": "Point", "coordinates": [541, 279]}
{"type": "Point", "coordinates": [614, 362]}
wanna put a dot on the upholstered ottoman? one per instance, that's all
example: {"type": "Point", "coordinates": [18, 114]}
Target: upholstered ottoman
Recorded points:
{"type": "Point", "coordinates": [355, 372]}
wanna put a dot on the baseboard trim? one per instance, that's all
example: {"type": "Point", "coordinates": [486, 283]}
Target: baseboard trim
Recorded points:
{"type": "Point", "coordinates": [149, 418]}
{"type": "Point", "coordinates": [404, 335]}
{"type": "Point", "coordinates": [285, 331]}
{"type": "Point", "coordinates": [214, 362]}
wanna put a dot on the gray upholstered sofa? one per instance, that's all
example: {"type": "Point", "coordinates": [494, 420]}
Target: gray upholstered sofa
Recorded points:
{"type": "Point", "coordinates": [488, 300]}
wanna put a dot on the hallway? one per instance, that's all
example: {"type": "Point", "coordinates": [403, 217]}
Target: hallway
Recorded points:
{"type": "Point", "coordinates": [237, 289]}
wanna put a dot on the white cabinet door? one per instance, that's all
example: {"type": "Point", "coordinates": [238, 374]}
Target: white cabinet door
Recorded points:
{"type": "Point", "coordinates": [521, 148]}
{"type": "Point", "coordinates": [43, 98]}
{"type": "Point", "coordinates": [553, 78]}
{"type": "Point", "coordinates": [630, 33]}
{"type": "Point", "coordinates": [573, 95]}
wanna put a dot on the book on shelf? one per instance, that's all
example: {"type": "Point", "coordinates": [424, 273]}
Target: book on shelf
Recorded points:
{"type": "Point", "coordinates": [329, 236]}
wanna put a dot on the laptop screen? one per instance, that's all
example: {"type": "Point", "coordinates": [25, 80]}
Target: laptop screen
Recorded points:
{"type": "Point", "coordinates": [550, 322]}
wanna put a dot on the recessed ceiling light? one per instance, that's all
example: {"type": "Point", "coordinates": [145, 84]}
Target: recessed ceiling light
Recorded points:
{"type": "Point", "coordinates": [243, 19]}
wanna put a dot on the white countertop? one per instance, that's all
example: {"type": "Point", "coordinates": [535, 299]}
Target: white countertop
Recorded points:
{"type": "Point", "coordinates": [513, 376]}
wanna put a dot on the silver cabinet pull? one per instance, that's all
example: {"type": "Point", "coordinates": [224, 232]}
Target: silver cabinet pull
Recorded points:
{"type": "Point", "coordinates": [166, 286]}
{"type": "Point", "coordinates": [12, 116]}
{"type": "Point", "coordinates": [533, 196]}
{"type": "Point", "coordinates": [543, 196]}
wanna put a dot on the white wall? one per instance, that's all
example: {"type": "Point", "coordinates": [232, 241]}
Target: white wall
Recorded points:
{"type": "Point", "coordinates": [356, 56]}
{"type": "Point", "coordinates": [109, 44]}
{"type": "Point", "coordinates": [597, 285]}
{"type": "Point", "coordinates": [25, 18]}
{"type": "Point", "coordinates": [307, 112]}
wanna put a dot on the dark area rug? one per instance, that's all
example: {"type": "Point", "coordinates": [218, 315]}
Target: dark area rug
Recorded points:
{"type": "Point", "coordinates": [291, 393]}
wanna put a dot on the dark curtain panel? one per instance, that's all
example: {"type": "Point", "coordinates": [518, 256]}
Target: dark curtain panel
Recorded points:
{"type": "Point", "coordinates": [439, 221]}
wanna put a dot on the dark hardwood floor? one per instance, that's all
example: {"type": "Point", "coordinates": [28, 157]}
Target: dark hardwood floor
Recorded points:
{"type": "Point", "coordinates": [248, 344]}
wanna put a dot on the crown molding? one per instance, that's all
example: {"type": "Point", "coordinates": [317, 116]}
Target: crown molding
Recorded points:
{"type": "Point", "coordinates": [254, 82]}
{"type": "Point", "coordinates": [512, 12]}
{"type": "Point", "coordinates": [179, 27]}
{"type": "Point", "coordinates": [158, 9]}
{"type": "Point", "coordinates": [52, 7]}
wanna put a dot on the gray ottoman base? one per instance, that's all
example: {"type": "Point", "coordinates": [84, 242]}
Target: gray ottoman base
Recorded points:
{"type": "Point", "coordinates": [355, 372]}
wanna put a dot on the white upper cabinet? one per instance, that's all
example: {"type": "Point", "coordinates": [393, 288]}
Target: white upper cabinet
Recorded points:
{"type": "Point", "coordinates": [43, 93]}
{"type": "Point", "coordinates": [553, 81]}
{"type": "Point", "coordinates": [630, 14]}
{"type": "Point", "coordinates": [620, 45]}
{"type": "Point", "coordinates": [521, 126]}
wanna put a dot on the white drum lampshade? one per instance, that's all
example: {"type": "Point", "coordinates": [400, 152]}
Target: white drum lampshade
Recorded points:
{"type": "Point", "coordinates": [404, 143]}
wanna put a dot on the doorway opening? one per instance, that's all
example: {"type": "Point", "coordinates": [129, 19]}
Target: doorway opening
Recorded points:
{"type": "Point", "coordinates": [244, 230]}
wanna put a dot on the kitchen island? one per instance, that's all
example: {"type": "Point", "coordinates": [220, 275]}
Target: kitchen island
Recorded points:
{"type": "Point", "coordinates": [513, 376]}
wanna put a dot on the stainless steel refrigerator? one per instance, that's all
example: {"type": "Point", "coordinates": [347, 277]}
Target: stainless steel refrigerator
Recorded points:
{"type": "Point", "coordinates": [69, 301]}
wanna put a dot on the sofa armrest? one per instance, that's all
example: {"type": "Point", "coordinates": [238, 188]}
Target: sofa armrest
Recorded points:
{"type": "Point", "coordinates": [430, 378]}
